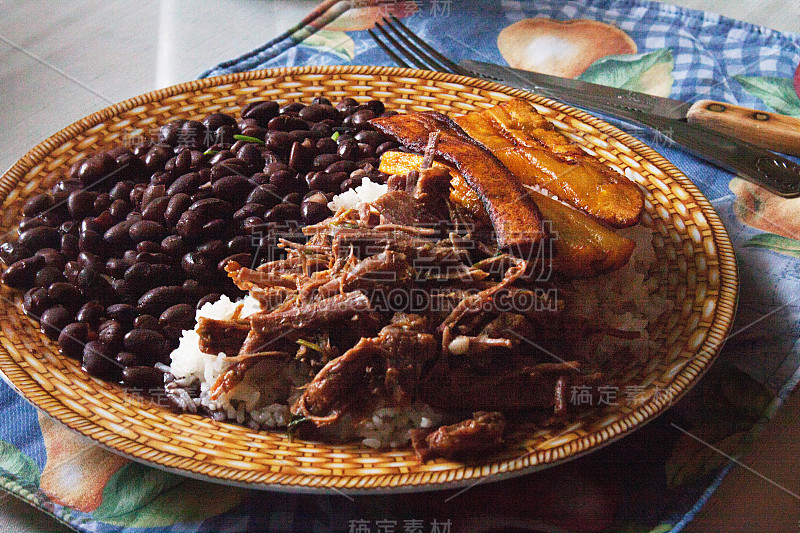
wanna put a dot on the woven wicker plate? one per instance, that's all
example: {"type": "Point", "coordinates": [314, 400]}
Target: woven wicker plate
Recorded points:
{"type": "Point", "coordinates": [697, 272]}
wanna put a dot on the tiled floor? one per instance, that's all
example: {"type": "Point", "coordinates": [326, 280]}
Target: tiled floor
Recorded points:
{"type": "Point", "coordinates": [60, 61]}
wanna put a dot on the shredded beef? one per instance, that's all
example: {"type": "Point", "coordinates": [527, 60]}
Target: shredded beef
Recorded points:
{"type": "Point", "coordinates": [468, 439]}
{"type": "Point", "coordinates": [222, 336]}
{"type": "Point", "coordinates": [267, 327]}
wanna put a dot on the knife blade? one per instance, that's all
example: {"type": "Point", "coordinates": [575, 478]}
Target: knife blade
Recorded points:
{"type": "Point", "coordinates": [567, 87]}
{"type": "Point", "coordinates": [665, 115]}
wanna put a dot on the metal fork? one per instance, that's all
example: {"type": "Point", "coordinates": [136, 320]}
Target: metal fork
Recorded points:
{"type": "Point", "coordinates": [420, 53]}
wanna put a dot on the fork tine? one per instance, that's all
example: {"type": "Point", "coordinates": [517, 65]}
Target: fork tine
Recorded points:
{"type": "Point", "coordinates": [386, 48]}
{"type": "Point", "coordinates": [411, 50]}
{"type": "Point", "coordinates": [417, 62]}
{"type": "Point", "coordinates": [441, 58]}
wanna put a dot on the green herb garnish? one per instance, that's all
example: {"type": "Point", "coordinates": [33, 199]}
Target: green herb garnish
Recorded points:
{"type": "Point", "coordinates": [335, 135]}
{"type": "Point", "coordinates": [347, 225]}
{"type": "Point", "coordinates": [248, 139]}
{"type": "Point", "coordinates": [291, 427]}
{"type": "Point", "coordinates": [211, 152]}
{"type": "Point", "coordinates": [309, 345]}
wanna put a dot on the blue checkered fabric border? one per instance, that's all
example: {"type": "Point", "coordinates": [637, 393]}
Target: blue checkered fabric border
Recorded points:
{"type": "Point", "coordinates": [708, 49]}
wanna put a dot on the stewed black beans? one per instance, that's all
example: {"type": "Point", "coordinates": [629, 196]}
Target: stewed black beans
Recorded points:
{"type": "Point", "coordinates": [119, 253]}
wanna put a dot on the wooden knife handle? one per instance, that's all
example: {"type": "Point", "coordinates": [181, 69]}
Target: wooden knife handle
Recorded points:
{"type": "Point", "coordinates": [773, 131]}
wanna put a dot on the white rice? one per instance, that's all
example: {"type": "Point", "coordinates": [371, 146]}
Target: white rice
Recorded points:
{"type": "Point", "coordinates": [368, 191]}
{"type": "Point", "coordinates": [626, 299]}
{"type": "Point", "coordinates": [391, 428]}
{"type": "Point", "coordinates": [189, 365]}
{"type": "Point", "coordinates": [246, 402]}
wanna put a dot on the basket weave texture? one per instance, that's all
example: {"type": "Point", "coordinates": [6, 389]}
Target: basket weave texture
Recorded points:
{"type": "Point", "coordinates": [696, 272]}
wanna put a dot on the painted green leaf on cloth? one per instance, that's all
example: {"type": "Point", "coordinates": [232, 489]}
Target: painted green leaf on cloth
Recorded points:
{"type": "Point", "coordinates": [140, 496]}
{"type": "Point", "coordinates": [777, 93]}
{"type": "Point", "coordinates": [776, 243]}
{"type": "Point", "coordinates": [335, 42]}
{"type": "Point", "coordinates": [649, 73]}
{"type": "Point", "coordinates": [13, 461]}
{"type": "Point", "coordinates": [662, 528]}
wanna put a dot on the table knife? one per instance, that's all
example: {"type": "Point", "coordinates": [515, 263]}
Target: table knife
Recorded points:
{"type": "Point", "coordinates": [665, 115]}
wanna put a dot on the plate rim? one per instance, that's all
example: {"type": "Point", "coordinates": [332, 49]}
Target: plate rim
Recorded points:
{"type": "Point", "coordinates": [496, 470]}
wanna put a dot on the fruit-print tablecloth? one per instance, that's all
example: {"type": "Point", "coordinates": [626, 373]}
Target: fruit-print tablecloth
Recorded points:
{"type": "Point", "coordinates": [653, 480]}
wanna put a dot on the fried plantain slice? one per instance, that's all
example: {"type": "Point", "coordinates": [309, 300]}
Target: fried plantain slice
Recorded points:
{"type": "Point", "coordinates": [515, 217]}
{"type": "Point", "coordinates": [584, 247]}
{"type": "Point", "coordinates": [528, 145]}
